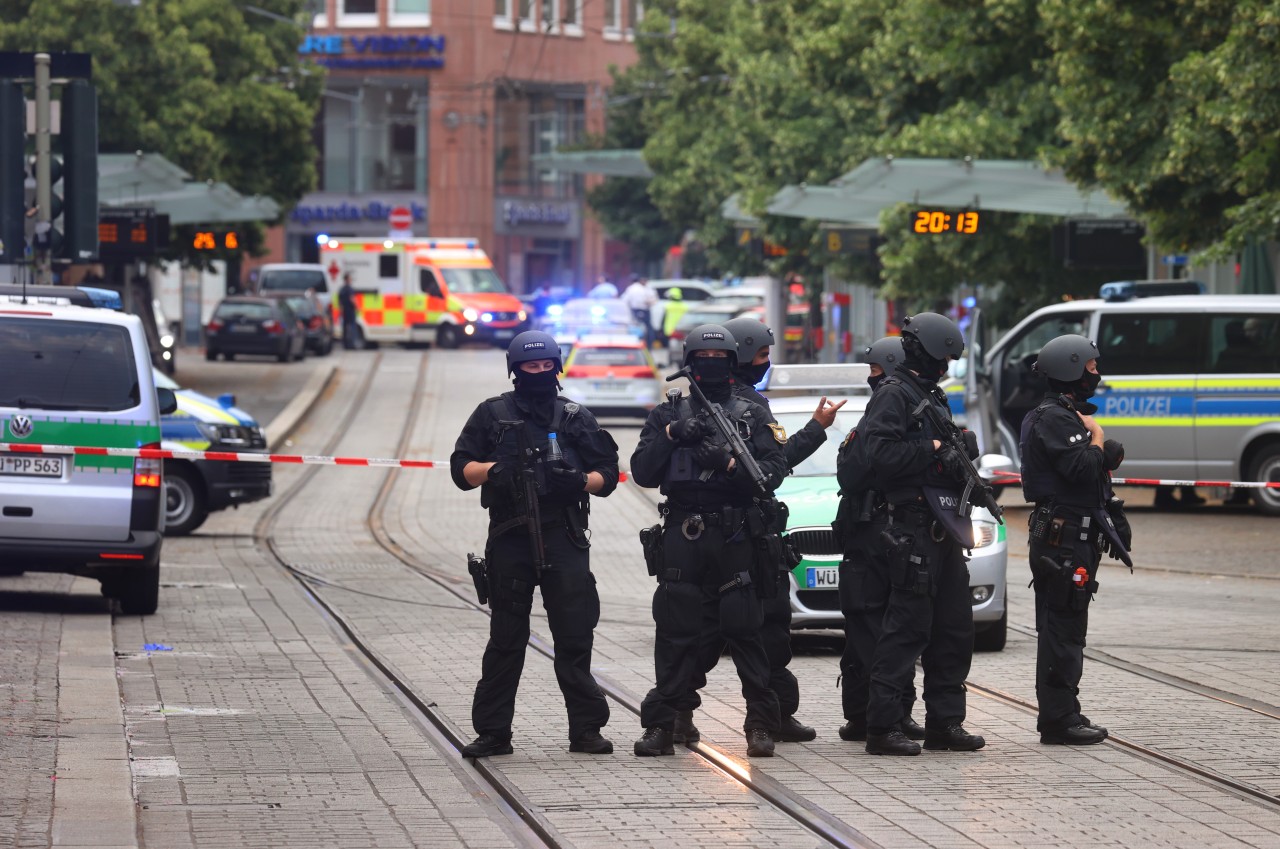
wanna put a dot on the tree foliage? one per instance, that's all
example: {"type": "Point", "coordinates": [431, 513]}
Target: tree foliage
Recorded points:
{"type": "Point", "coordinates": [216, 90]}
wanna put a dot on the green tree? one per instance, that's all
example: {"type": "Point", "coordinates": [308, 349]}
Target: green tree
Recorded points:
{"type": "Point", "coordinates": [216, 90]}
{"type": "Point", "coordinates": [1173, 106]}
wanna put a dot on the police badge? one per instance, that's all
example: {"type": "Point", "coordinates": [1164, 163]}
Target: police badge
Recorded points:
{"type": "Point", "coordinates": [779, 433]}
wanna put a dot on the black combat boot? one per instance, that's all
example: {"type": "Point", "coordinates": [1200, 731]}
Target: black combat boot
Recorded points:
{"type": "Point", "coordinates": [953, 738]}
{"type": "Point", "coordinates": [794, 731]}
{"type": "Point", "coordinates": [759, 743]}
{"type": "Point", "coordinates": [855, 730]}
{"type": "Point", "coordinates": [1076, 735]}
{"type": "Point", "coordinates": [654, 742]}
{"type": "Point", "coordinates": [487, 745]}
{"type": "Point", "coordinates": [893, 743]}
{"type": "Point", "coordinates": [1084, 720]}
{"type": "Point", "coordinates": [685, 731]}
{"type": "Point", "coordinates": [911, 728]}
{"type": "Point", "coordinates": [592, 744]}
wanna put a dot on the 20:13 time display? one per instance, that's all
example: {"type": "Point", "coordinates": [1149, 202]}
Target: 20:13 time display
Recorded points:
{"type": "Point", "coordinates": [938, 221]}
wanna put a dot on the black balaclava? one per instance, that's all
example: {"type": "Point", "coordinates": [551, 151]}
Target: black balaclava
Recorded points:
{"type": "Point", "coordinates": [873, 380]}
{"type": "Point", "coordinates": [918, 360]}
{"type": "Point", "coordinates": [751, 374]}
{"type": "Point", "coordinates": [1080, 390]}
{"type": "Point", "coordinates": [538, 391]}
{"type": "Point", "coordinates": [714, 376]}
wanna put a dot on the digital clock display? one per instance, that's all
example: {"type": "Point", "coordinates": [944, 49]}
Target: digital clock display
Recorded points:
{"type": "Point", "coordinates": [944, 221]}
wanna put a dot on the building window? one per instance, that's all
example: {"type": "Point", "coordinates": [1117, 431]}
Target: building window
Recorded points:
{"type": "Point", "coordinates": [502, 14]}
{"type": "Point", "coordinates": [550, 15]}
{"type": "Point", "coordinates": [525, 13]}
{"type": "Point", "coordinates": [415, 13]}
{"type": "Point", "coordinates": [612, 19]}
{"type": "Point", "coordinates": [357, 13]}
{"type": "Point", "coordinates": [635, 11]}
{"type": "Point", "coordinates": [532, 124]}
{"type": "Point", "coordinates": [572, 17]}
{"type": "Point", "coordinates": [373, 136]}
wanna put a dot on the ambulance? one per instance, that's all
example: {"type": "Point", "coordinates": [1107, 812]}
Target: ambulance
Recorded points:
{"type": "Point", "coordinates": [439, 291]}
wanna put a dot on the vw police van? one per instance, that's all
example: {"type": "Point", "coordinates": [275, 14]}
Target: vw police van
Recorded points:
{"type": "Point", "coordinates": [439, 291]}
{"type": "Point", "coordinates": [1190, 383]}
{"type": "Point", "coordinates": [80, 376]}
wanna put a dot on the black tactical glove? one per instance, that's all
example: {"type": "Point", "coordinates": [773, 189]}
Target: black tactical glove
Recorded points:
{"type": "Point", "coordinates": [502, 474]}
{"type": "Point", "coordinates": [688, 431]}
{"type": "Point", "coordinates": [1115, 509]}
{"type": "Point", "coordinates": [951, 463]}
{"type": "Point", "coordinates": [1113, 452]}
{"type": "Point", "coordinates": [712, 456]}
{"type": "Point", "coordinates": [970, 443]}
{"type": "Point", "coordinates": [566, 482]}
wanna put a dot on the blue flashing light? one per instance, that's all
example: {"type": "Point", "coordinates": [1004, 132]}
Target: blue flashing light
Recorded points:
{"type": "Point", "coordinates": [555, 309]}
{"type": "Point", "coordinates": [322, 238]}
{"type": "Point", "coordinates": [471, 246]}
{"type": "Point", "coordinates": [103, 298]}
{"type": "Point", "coordinates": [970, 302]}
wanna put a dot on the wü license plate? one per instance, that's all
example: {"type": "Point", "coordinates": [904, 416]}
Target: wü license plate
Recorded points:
{"type": "Point", "coordinates": [822, 577]}
{"type": "Point", "coordinates": [36, 466]}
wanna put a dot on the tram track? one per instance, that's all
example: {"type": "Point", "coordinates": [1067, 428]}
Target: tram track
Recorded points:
{"type": "Point", "coordinates": [527, 820]}
{"type": "Point", "coordinates": [531, 826]}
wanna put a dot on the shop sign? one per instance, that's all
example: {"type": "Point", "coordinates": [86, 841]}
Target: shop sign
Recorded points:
{"type": "Point", "coordinates": [307, 214]}
{"type": "Point", "coordinates": [537, 218]}
{"type": "Point", "coordinates": [375, 51]}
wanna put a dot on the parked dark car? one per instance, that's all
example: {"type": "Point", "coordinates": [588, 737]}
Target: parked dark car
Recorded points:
{"type": "Point", "coordinates": [319, 323]}
{"type": "Point", "coordinates": [245, 324]}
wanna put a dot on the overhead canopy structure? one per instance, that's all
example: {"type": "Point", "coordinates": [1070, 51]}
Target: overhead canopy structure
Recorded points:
{"type": "Point", "coordinates": [150, 180]}
{"type": "Point", "coordinates": [610, 163]}
{"type": "Point", "coordinates": [997, 185]}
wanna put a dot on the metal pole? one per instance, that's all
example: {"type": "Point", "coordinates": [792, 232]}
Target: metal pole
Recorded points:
{"type": "Point", "coordinates": [44, 156]}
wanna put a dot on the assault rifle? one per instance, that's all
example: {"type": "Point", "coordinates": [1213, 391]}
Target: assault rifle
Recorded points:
{"type": "Point", "coordinates": [729, 432]}
{"type": "Point", "coordinates": [976, 490]}
{"type": "Point", "coordinates": [526, 492]}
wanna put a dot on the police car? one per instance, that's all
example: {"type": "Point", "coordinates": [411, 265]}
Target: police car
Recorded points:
{"type": "Point", "coordinates": [80, 376]}
{"type": "Point", "coordinates": [196, 488]}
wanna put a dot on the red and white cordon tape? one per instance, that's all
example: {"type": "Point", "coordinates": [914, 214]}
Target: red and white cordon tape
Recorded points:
{"type": "Point", "coordinates": [226, 456]}
{"type": "Point", "coordinates": [1014, 477]}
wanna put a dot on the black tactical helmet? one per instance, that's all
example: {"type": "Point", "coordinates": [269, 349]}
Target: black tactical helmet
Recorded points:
{"type": "Point", "coordinates": [751, 335]}
{"type": "Point", "coordinates": [709, 337]}
{"type": "Point", "coordinates": [886, 353]}
{"type": "Point", "coordinates": [1065, 358]}
{"type": "Point", "coordinates": [938, 335]}
{"type": "Point", "coordinates": [532, 345]}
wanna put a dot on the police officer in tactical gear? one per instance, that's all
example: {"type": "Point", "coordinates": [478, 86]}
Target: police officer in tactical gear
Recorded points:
{"type": "Point", "coordinates": [754, 340]}
{"type": "Point", "coordinates": [861, 518]}
{"type": "Point", "coordinates": [711, 551]}
{"type": "Point", "coordinates": [488, 454]}
{"type": "Point", "coordinates": [928, 614]}
{"type": "Point", "coordinates": [1066, 471]}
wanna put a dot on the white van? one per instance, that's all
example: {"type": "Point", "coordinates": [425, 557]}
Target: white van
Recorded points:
{"type": "Point", "coordinates": [1190, 383]}
{"type": "Point", "coordinates": [297, 277]}
{"type": "Point", "coordinates": [80, 376]}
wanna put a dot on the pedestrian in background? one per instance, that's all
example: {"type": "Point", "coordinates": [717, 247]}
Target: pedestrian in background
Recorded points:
{"type": "Point", "coordinates": [347, 306]}
{"type": "Point", "coordinates": [574, 459]}
{"type": "Point", "coordinates": [1066, 471]}
{"type": "Point", "coordinates": [640, 298]}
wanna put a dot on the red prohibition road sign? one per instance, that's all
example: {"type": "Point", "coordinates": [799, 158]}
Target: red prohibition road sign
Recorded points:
{"type": "Point", "coordinates": [401, 218]}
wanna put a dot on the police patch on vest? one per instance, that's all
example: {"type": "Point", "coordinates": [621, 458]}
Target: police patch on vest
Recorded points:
{"type": "Point", "coordinates": [848, 436]}
{"type": "Point", "coordinates": [779, 433]}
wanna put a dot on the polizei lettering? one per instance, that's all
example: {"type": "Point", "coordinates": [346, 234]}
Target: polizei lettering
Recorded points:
{"type": "Point", "coordinates": [1137, 405]}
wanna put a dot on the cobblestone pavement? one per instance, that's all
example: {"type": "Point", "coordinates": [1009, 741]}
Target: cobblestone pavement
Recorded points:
{"type": "Point", "coordinates": [250, 723]}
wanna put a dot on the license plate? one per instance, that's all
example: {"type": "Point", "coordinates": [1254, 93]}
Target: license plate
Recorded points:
{"type": "Point", "coordinates": [822, 577]}
{"type": "Point", "coordinates": [243, 328]}
{"type": "Point", "coordinates": [38, 467]}
{"type": "Point", "coordinates": [503, 334]}
{"type": "Point", "coordinates": [609, 386]}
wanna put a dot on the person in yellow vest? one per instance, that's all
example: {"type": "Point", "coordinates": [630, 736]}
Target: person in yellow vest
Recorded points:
{"type": "Point", "coordinates": [676, 308]}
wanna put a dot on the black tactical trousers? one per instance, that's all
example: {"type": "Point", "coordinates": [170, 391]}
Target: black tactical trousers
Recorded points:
{"type": "Point", "coordinates": [573, 610]}
{"type": "Point", "coordinates": [775, 634]}
{"type": "Point", "coordinates": [933, 623]}
{"type": "Point", "coordinates": [1062, 620]}
{"type": "Point", "coordinates": [864, 597]}
{"type": "Point", "coordinates": [704, 566]}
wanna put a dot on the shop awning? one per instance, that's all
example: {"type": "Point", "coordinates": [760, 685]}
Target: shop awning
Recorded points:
{"type": "Point", "coordinates": [610, 163]}
{"type": "Point", "coordinates": [150, 180]}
